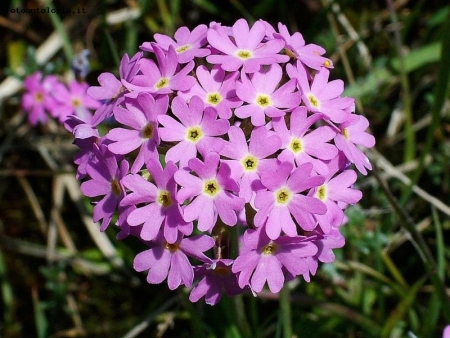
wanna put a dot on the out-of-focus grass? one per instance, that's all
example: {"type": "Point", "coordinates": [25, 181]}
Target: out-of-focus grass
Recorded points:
{"type": "Point", "coordinates": [390, 280]}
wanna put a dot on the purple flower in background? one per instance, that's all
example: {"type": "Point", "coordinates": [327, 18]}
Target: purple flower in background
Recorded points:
{"type": "Point", "coordinates": [187, 45]}
{"type": "Point", "coordinates": [262, 96]}
{"type": "Point", "coordinates": [164, 260]}
{"type": "Point", "coordinates": [213, 193]}
{"type": "Point", "coordinates": [106, 176]}
{"type": "Point", "coordinates": [215, 277]}
{"type": "Point", "coordinates": [246, 49]}
{"type": "Point", "coordinates": [264, 260]}
{"type": "Point", "coordinates": [197, 130]}
{"type": "Point", "coordinates": [282, 203]}
{"type": "Point", "coordinates": [216, 90]}
{"type": "Point", "coordinates": [161, 207]}
{"type": "Point", "coordinates": [140, 116]}
{"type": "Point", "coordinates": [38, 99]}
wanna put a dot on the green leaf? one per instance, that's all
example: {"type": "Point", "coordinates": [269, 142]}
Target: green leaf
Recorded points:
{"type": "Point", "coordinates": [420, 57]}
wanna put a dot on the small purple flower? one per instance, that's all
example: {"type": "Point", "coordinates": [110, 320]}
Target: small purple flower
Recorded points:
{"type": "Point", "coordinates": [262, 96]}
{"type": "Point", "coordinates": [140, 116]}
{"type": "Point", "coordinates": [353, 132]}
{"type": "Point", "coordinates": [322, 96]}
{"type": "Point", "coordinates": [248, 161]}
{"type": "Point", "coordinates": [164, 260]}
{"type": "Point", "coordinates": [38, 100]}
{"type": "Point", "coordinates": [213, 193]}
{"type": "Point", "coordinates": [264, 260]}
{"type": "Point", "coordinates": [282, 202]}
{"type": "Point", "coordinates": [197, 131]}
{"type": "Point", "coordinates": [215, 89]}
{"type": "Point", "coordinates": [161, 79]}
{"type": "Point", "coordinates": [215, 277]}
{"type": "Point", "coordinates": [105, 181]}
{"type": "Point", "coordinates": [246, 49]}
{"type": "Point", "coordinates": [161, 207]}
{"type": "Point", "coordinates": [303, 144]}
{"type": "Point", "coordinates": [187, 45]}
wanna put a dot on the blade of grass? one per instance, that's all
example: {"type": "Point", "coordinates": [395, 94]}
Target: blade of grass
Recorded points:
{"type": "Point", "coordinates": [285, 311]}
{"type": "Point", "coordinates": [40, 318]}
{"type": "Point", "coordinates": [6, 292]}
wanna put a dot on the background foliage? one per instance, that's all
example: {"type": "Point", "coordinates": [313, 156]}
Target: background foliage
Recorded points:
{"type": "Point", "coordinates": [59, 277]}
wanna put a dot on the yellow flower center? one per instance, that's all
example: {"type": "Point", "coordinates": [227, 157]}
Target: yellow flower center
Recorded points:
{"type": "Point", "coordinates": [115, 187]}
{"type": "Point", "coordinates": [194, 134]}
{"type": "Point", "coordinates": [296, 145]}
{"type": "Point", "coordinates": [211, 187]}
{"type": "Point", "coordinates": [172, 247]}
{"type": "Point", "coordinates": [183, 49]}
{"type": "Point", "coordinates": [263, 100]}
{"type": "Point", "coordinates": [313, 101]}
{"type": "Point", "coordinates": [327, 63]}
{"type": "Point", "coordinates": [250, 163]}
{"type": "Point", "coordinates": [270, 249]}
{"type": "Point", "coordinates": [283, 196]}
{"type": "Point", "coordinates": [147, 131]}
{"type": "Point", "coordinates": [321, 193]}
{"type": "Point", "coordinates": [214, 98]}
{"type": "Point", "coordinates": [345, 133]}
{"type": "Point", "coordinates": [164, 198]}
{"type": "Point", "coordinates": [244, 54]}
{"type": "Point", "coordinates": [39, 97]}
{"type": "Point", "coordinates": [76, 102]}
{"type": "Point", "coordinates": [163, 82]}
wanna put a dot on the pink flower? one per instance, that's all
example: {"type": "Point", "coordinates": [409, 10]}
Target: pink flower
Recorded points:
{"type": "Point", "coordinates": [164, 260]}
{"type": "Point", "coordinates": [215, 89]}
{"type": "Point", "coordinates": [282, 202]}
{"type": "Point", "coordinates": [140, 115]}
{"type": "Point", "coordinates": [322, 96]}
{"type": "Point", "coordinates": [187, 45]}
{"type": "Point", "coordinates": [38, 100]}
{"type": "Point", "coordinates": [246, 49]}
{"type": "Point", "coordinates": [161, 208]}
{"type": "Point", "coordinates": [262, 259]}
{"type": "Point", "coordinates": [213, 193]}
{"type": "Point", "coordinates": [263, 97]}
{"type": "Point", "coordinates": [197, 131]}
{"type": "Point", "coordinates": [353, 132]}
{"type": "Point", "coordinates": [303, 144]}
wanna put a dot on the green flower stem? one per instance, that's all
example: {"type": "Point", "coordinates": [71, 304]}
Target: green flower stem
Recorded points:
{"type": "Point", "coordinates": [285, 311]}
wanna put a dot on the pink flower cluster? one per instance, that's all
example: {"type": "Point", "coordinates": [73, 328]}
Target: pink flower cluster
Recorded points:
{"type": "Point", "coordinates": [47, 96]}
{"type": "Point", "coordinates": [256, 145]}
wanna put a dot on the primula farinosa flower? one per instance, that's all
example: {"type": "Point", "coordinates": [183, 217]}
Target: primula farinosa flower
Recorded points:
{"type": "Point", "coordinates": [446, 333]}
{"type": "Point", "coordinates": [140, 116]}
{"type": "Point", "coordinates": [216, 89]}
{"type": "Point", "coordinates": [198, 131]}
{"type": "Point", "coordinates": [248, 161]}
{"type": "Point", "coordinates": [213, 278]}
{"type": "Point", "coordinates": [164, 260]}
{"type": "Point", "coordinates": [223, 127]}
{"type": "Point", "coordinates": [161, 208]}
{"type": "Point", "coordinates": [38, 100]}
{"type": "Point", "coordinates": [213, 193]}
{"type": "Point", "coordinates": [73, 100]}
{"type": "Point", "coordinates": [303, 144]}
{"type": "Point", "coordinates": [353, 132]}
{"type": "Point", "coordinates": [247, 48]}
{"type": "Point", "coordinates": [188, 45]}
{"type": "Point", "coordinates": [310, 55]}
{"type": "Point", "coordinates": [111, 91]}
{"type": "Point", "coordinates": [335, 190]}
{"type": "Point", "coordinates": [262, 259]}
{"type": "Point", "coordinates": [106, 176]}
{"type": "Point", "coordinates": [322, 96]}
{"type": "Point", "coordinates": [263, 98]}
{"type": "Point", "coordinates": [163, 78]}
{"type": "Point", "coordinates": [282, 202]}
